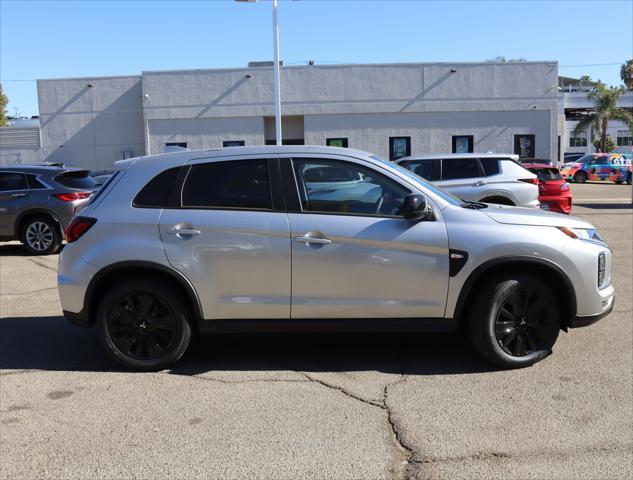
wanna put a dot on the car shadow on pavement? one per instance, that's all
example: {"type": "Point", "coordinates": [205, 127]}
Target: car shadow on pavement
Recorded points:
{"type": "Point", "coordinates": [13, 250]}
{"type": "Point", "coordinates": [605, 206]}
{"type": "Point", "coordinates": [53, 344]}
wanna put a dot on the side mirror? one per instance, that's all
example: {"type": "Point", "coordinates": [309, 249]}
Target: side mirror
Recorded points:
{"type": "Point", "coordinates": [415, 208]}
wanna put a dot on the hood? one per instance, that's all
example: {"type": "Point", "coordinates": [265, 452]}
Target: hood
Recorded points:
{"type": "Point", "coordinates": [533, 216]}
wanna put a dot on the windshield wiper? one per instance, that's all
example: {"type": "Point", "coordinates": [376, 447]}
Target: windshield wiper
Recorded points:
{"type": "Point", "coordinates": [474, 205]}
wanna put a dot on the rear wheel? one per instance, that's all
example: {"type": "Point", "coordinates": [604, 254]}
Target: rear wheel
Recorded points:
{"type": "Point", "coordinates": [41, 235]}
{"type": "Point", "coordinates": [515, 321]}
{"type": "Point", "coordinates": [580, 177]}
{"type": "Point", "coordinates": [143, 325]}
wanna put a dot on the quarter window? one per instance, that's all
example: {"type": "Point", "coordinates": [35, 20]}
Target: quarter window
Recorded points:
{"type": "Point", "coordinates": [456, 168]}
{"type": "Point", "coordinates": [34, 183]}
{"type": "Point", "coordinates": [233, 184]}
{"type": "Point", "coordinates": [157, 192]}
{"type": "Point", "coordinates": [12, 181]}
{"type": "Point", "coordinates": [331, 186]}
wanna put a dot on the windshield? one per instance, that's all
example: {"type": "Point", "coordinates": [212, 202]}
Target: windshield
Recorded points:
{"type": "Point", "coordinates": [421, 181]}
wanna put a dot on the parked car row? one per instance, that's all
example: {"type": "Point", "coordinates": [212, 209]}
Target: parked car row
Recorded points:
{"type": "Point", "coordinates": [612, 167]}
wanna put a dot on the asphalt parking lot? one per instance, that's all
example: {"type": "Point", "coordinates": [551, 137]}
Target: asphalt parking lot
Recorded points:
{"type": "Point", "coordinates": [316, 406]}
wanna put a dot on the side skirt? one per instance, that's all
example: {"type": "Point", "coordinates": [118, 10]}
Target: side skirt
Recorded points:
{"type": "Point", "coordinates": [365, 325]}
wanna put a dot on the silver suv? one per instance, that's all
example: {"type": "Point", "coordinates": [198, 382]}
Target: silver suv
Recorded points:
{"type": "Point", "coordinates": [37, 203]}
{"type": "Point", "coordinates": [479, 177]}
{"type": "Point", "coordinates": [258, 238]}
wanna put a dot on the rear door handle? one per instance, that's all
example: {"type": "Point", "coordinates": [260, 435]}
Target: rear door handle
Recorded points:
{"type": "Point", "coordinates": [18, 195]}
{"type": "Point", "coordinates": [479, 183]}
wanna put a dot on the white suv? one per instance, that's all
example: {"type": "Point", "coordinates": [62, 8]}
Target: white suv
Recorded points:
{"type": "Point", "coordinates": [259, 238]}
{"type": "Point", "coordinates": [479, 177]}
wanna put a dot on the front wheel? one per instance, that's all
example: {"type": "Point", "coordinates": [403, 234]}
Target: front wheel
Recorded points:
{"type": "Point", "coordinates": [41, 235]}
{"type": "Point", "coordinates": [142, 325]}
{"type": "Point", "coordinates": [515, 321]}
{"type": "Point", "coordinates": [580, 177]}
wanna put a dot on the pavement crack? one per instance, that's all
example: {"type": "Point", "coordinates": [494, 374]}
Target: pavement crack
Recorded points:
{"type": "Point", "coordinates": [342, 390]}
{"type": "Point", "coordinates": [32, 260]}
{"type": "Point", "coordinates": [27, 293]}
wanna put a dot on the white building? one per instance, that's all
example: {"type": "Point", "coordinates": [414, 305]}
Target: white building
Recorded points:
{"type": "Point", "coordinates": [388, 109]}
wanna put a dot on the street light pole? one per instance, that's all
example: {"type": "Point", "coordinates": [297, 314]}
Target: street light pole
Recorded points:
{"type": "Point", "coordinates": [276, 76]}
{"type": "Point", "coordinates": [276, 80]}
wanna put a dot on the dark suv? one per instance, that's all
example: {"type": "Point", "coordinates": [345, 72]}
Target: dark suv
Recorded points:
{"type": "Point", "coordinates": [37, 203]}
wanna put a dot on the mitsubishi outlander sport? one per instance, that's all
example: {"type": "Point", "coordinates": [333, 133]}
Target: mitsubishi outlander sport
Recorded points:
{"type": "Point", "coordinates": [299, 238]}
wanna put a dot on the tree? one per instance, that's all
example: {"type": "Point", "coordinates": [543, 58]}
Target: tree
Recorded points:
{"type": "Point", "coordinates": [626, 74]}
{"type": "Point", "coordinates": [3, 108]}
{"type": "Point", "coordinates": [606, 109]}
{"type": "Point", "coordinates": [610, 144]}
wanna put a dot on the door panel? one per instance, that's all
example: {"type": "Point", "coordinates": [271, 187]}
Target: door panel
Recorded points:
{"type": "Point", "coordinates": [238, 261]}
{"type": "Point", "coordinates": [373, 267]}
{"type": "Point", "coordinates": [14, 197]}
{"type": "Point", "coordinates": [463, 177]}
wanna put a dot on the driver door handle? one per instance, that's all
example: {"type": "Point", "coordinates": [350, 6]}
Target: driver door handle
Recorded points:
{"type": "Point", "coordinates": [479, 183]}
{"type": "Point", "coordinates": [184, 231]}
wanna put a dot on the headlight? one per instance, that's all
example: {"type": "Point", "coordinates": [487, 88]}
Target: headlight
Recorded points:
{"type": "Point", "coordinates": [602, 268]}
{"type": "Point", "coordinates": [590, 234]}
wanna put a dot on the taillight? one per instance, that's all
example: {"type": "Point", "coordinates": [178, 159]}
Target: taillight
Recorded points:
{"type": "Point", "coordinates": [564, 187]}
{"type": "Point", "coordinates": [78, 226]}
{"type": "Point", "coordinates": [72, 196]}
{"type": "Point", "coordinates": [533, 181]}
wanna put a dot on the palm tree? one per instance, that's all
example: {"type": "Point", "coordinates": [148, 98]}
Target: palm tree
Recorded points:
{"type": "Point", "coordinates": [606, 109]}
{"type": "Point", "coordinates": [626, 74]}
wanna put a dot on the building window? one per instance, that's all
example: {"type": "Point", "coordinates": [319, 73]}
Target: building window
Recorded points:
{"type": "Point", "coordinates": [336, 142]}
{"type": "Point", "coordinates": [399, 147]}
{"type": "Point", "coordinates": [578, 140]}
{"type": "Point", "coordinates": [625, 138]}
{"type": "Point", "coordinates": [176, 144]}
{"type": "Point", "coordinates": [524, 145]}
{"type": "Point", "coordinates": [463, 143]}
{"type": "Point", "coordinates": [233, 143]}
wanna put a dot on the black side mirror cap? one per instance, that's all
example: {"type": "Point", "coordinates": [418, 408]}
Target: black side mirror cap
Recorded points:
{"type": "Point", "coordinates": [415, 208]}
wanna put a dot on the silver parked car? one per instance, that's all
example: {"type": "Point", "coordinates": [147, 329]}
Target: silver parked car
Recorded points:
{"type": "Point", "coordinates": [37, 203]}
{"type": "Point", "coordinates": [479, 177]}
{"type": "Point", "coordinates": [255, 238]}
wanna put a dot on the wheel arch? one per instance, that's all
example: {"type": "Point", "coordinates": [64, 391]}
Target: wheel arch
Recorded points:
{"type": "Point", "coordinates": [557, 278]}
{"type": "Point", "coordinates": [128, 269]}
{"type": "Point", "coordinates": [504, 200]}
{"type": "Point", "coordinates": [35, 212]}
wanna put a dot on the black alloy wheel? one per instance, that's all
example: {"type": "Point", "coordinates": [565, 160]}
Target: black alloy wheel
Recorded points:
{"type": "Point", "coordinates": [522, 323]}
{"type": "Point", "coordinates": [142, 326]}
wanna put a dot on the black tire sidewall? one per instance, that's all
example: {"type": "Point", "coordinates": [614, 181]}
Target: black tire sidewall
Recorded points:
{"type": "Point", "coordinates": [167, 295]}
{"type": "Point", "coordinates": [580, 177]}
{"type": "Point", "coordinates": [482, 327]}
{"type": "Point", "coordinates": [53, 225]}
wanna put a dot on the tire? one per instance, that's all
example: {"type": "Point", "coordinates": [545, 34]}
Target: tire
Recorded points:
{"type": "Point", "coordinates": [144, 324]}
{"type": "Point", "coordinates": [514, 322]}
{"type": "Point", "coordinates": [628, 178]}
{"type": "Point", "coordinates": [580, 177]}
{"type": "Point", "coordinates": [41, 235]}
{"type": "Point", "coordinates": [498, 201]}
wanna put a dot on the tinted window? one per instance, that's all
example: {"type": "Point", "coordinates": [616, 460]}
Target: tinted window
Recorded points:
{"type": "Point", "coordinates": [427, 169]}
{"type": "Point", "coordinates": [359, 191]}
{"type": "Point", "coordinates": [12, 181]}
{"type": "Point", "coordinates": [234, 184]}
{"type": "Point", "coordinates": [156, 193]}
{"type": "Point", "coordinates": [490, 165]}
{"type": "Point", "coordinates": [599, 161]}
{"type": "Point", "coordinates": [79, 179]}
{"type": "Point", "coordinates": [455, 168]}
{"type": "Point", "coordinates": [547, 174]}
{"type": "Point", "coordinates": [34, 183]}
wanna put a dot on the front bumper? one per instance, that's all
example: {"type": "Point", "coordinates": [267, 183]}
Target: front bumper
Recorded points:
{"type": "Point", "coordinates": [578, 321]}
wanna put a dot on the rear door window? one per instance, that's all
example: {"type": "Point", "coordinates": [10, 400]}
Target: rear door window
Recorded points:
{"type": "Point", "coordinates": [12, 181]}
{"type": "Point", "coordinates": [490, 166]}
{"type": "Point", "coordinates": [457, 168]}
{"type": "Point", "coordinates": [243, 184]}
{"type": "Point", "coordinates": [157, 191]}
{"type": "Point", "coordinates": [427, 169]}
{"type": "Point", "coordinates": [78, 179]}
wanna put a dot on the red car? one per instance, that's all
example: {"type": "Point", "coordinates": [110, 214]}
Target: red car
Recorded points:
{"type": "Point", "coordinates": [554, 191]}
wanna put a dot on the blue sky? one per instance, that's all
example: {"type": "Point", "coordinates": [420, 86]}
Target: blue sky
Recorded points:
{"type": "Point", "coordinates": [90, 38]}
